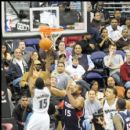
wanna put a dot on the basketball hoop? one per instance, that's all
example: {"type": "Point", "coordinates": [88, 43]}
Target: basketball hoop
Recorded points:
{"type": "Point", "coordinates": [47, 32]}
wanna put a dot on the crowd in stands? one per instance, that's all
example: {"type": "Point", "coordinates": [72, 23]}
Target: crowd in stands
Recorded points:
{"type": "Point", "coordinates": [72, 60]}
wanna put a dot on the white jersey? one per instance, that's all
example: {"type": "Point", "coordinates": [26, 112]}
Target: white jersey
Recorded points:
{"type": "Point", "coordinates": [41, 100]}
{"type": "Point", "coordinates": [39, 120]}
{"type": "Point", "coordinates": [109, 112]}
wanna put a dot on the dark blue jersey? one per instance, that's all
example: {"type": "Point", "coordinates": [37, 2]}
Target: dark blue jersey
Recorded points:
{"type": "Point", "coordinates": [71, 116]}
{"type": "Point", "coordinates": [126, 119]}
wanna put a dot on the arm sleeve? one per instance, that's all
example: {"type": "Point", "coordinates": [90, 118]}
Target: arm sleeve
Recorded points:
{"type": "Point", "coordinates": [117, 122]}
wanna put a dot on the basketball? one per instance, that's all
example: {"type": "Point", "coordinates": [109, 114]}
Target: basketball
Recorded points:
{"type": "Point", "coordinates": [45, 44]}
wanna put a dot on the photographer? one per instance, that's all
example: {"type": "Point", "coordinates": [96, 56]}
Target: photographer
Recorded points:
{"type": "Point", "coordinates": [98, 120]}
{"type": "Point", "coordinates": [29, 78]}
{"type": "Point", "coordinates": [91, 106]}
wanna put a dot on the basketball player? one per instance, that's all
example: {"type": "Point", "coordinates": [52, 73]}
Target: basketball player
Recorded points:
{"type": "Point", "coordinates": [72, 105]}
{"type": "Point", "coordinates": [122, 119]}
{"type": "Point", "coordinates": [40, 120]}
{"type": "Point", "coordinates": [109, 107]}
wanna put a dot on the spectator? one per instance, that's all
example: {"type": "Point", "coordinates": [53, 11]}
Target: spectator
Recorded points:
{"type": "Point", "coordinates": [125, 71]}
{"type": "Point", "coordinates": [91, 106]}
{"type": "Point", "coordinates": [127, 26]}
{"type": "Point", "coordinates": [62, 58]}
{"type": "Point", "coordinates": [75, 70]}
{"type": "Point", "coordinates": [6, 56]}
{"type": "Point", "coordinates": [104, 41]}
{"type": "Point", "coordinates": [28, 79]}
{"type": "Point", "coordinates": [87, 43]}
{"type": "Point", "coordinates": [48, 58]}
{"type": "Point", "coordinates": [21, 111]}
{"type": "Point", "coordinates": [127, 97]}
{"type": "Point", "coordinates": [118, 16]}
{"type": "Point", "coordinates": [97, 21]}
{"type": "Point", "coordinates": [99, 7]}
{"type": "Point", "coordinates": [122, 119]}
{"type": "Point", "coordinates": [16, 69]}
{"type": "Point", "coordinates": [11, 45]}
{"type": "Point", "coordinates": [6, 60]}
{"type": "Point", "coordinates": [113, 61]}
{"type": "Point", "coordinates": [34, 56]}
{"type": "Point", "coordinates": [109, 107]}
{"type": "Point", "coordinates": [127, 93]}
{"type": "Point", "coordinates": [90, 14]}
{"type": "Point", "coordinates": [84, 59]}
{"type": "Point", "coordinates": [61, 76]}
{"type": "Point", "coordinates": [95, 34]}
{"type": "Point", "coordinates": [123, 43]}
{"type": "Point", "coordinates": [89, 6]}
{"type": "Point", "coordinates": [25, 54]}
{"type": "Point", "coordinates": [62, 50]}
{"type": "Point", "coordinates": [120, 89]}
{"type": "Point", "coordinates": [114, 30]}
{"type": "Point", "coordinates": [95, 86]}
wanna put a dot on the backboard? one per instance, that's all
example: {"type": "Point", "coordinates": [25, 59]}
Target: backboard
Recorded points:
{"type": "Point", "coordinates": [21, 19]}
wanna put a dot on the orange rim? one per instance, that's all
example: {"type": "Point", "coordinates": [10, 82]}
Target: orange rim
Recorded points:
{"type": "Point", "coordinates": [47, 30]}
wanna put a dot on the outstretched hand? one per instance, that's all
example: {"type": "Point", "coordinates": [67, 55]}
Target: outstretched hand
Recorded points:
{"type": "Point", "coordinates": [70, 86]}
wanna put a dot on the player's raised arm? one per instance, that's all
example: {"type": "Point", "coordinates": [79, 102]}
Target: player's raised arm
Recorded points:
{"type": "Point", "coordinates": [74, 95]}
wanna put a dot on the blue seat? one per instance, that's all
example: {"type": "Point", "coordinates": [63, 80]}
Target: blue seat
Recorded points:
{"type": "Point", "coordinates": [97, 55]}
{"type": "Point", "coordinates": [100, 72]}
{"type": "Point", "coordinates": [91, 75]}
{"type": "Point", "coordinates": [33, 42]}
{"type": "Point", "coordinates": [31, 49]}
{"type": "Point", "coordinates": [98, 60]}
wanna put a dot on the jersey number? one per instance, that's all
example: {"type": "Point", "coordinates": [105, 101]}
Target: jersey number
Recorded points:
{"type": "Point", "coordinates": [67, 113]}
{"type": "Point", "coordinates": [43, 103]}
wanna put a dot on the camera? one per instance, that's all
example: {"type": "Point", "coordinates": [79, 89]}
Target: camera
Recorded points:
{"type": "Point", "coordinates": [97, 115]}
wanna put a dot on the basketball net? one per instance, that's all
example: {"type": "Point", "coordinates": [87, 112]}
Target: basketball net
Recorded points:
{"type": "Point", "coordinates": [52, 33]}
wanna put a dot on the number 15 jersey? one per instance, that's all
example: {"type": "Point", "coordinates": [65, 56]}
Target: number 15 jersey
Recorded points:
{"type": "Point", "coordinates": [71, 116]}
{"type": "Point", "coordinates": [41, 100]}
